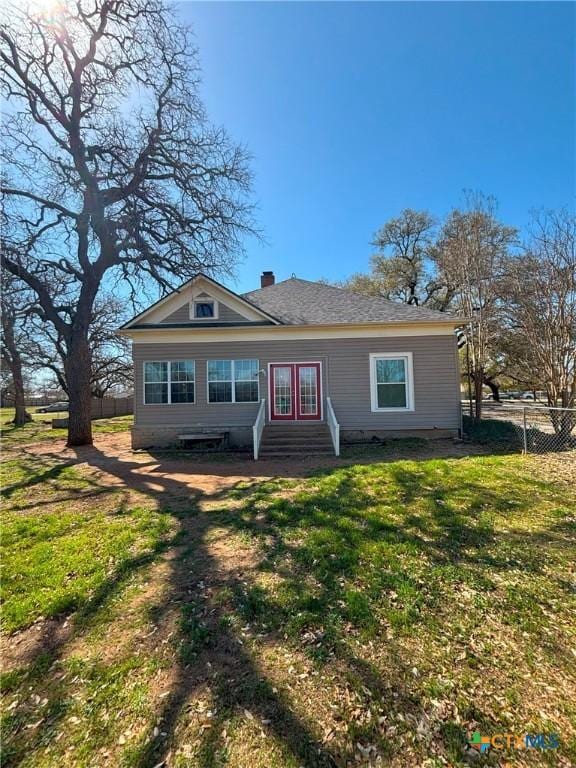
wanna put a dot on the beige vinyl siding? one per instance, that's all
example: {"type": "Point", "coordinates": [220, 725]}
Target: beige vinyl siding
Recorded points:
{"type": "Point", "coordinates": [229, 315]}
{"type": "Point", "coordinates": [225, 314]}
{"type": "Point", "coordinates": [345, 378]}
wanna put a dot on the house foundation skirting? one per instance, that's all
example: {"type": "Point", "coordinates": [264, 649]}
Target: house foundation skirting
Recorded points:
{"type": "Point", "coordinates": [241, 437]}
{"type": "Point", "coordinates": [167, 436]}
{"type": "Point", "coordinates": [352, 436]}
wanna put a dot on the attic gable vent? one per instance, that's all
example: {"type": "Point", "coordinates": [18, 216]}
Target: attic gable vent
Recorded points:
{"type": "Point", "coordinates": [203, 308]}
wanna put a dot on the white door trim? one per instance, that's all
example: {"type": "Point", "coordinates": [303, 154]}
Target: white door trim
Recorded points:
{"type": "Point", "coordinates": [320, 389]}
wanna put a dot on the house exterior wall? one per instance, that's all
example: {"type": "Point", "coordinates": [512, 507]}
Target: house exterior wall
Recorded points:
{"type": "Point", "coordinates": [345, 378]}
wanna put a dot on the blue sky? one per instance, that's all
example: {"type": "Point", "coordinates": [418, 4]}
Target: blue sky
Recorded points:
{"type": "Point", "coordinates": [354, 111]}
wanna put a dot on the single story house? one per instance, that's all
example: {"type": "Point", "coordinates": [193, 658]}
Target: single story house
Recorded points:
{"type": "Point", "coordinates": [293, 366]}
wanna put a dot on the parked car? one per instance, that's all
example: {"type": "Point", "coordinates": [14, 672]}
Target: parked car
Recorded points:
{"type": "Point", "coordinates": [54, 407]}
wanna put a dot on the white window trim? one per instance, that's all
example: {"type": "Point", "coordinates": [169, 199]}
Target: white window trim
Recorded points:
{"type": "Point", "coordinates": [201, 300]}
{"type": "Point", "coordinates": [169, 381]}
{"type": "Point", "coordinates": [233, 401]}
{"type": "Point", "coordinates": [409, 381]}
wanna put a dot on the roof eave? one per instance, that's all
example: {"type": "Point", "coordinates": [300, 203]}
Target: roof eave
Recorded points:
{"type": "Point", "coordinates": [453, 322]}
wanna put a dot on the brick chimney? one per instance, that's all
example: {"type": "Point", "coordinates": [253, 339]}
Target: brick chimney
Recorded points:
{"type": "Point", "coordinates": [266, 279]}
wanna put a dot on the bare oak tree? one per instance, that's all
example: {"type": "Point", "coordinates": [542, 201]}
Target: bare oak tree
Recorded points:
{"type": "Point", "coordinates": [403, 268]}
{"type": "Point", "coordinates": [112, 170]}
{"type": "Point", "coordinates": [540, 293]}
{"type": "Point", "coordinates": [472, 252]}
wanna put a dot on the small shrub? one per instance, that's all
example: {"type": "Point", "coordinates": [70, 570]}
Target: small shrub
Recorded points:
{"type": "Point", "coordinates": [504, 434]}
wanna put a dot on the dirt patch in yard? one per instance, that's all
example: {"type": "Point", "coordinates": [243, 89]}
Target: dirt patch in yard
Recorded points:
{"type": "Point", "coordinates": [112, 460]}
{"type": "Point", "coordinates": [560, 467]}
{"type": "Point", "coordinates": [42, 637]}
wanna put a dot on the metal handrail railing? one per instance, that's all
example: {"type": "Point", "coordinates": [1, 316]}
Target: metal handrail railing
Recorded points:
{"type": "Point", "coordinates": [333, 426]}
{"type": "Point", "coordinates": [258, 428]}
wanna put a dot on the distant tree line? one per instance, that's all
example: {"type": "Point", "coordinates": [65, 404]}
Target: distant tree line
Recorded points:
{"type": "Point", "coordinates": [517, 297]}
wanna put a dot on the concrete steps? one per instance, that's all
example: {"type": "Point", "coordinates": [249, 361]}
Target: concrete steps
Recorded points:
{"type": "Point", "coordinates": [296, 439]}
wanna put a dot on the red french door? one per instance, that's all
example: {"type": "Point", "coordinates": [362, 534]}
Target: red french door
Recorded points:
{"type": "Point", "coordinates": [295, 391]}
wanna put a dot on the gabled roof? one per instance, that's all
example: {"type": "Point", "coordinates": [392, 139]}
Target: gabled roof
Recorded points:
{"type": "Point", "coordinates": [140, 320]}
{"type": "Point", "coordinates": [302, 302]}
{"type": "Point", "coordinates": [293, 302]}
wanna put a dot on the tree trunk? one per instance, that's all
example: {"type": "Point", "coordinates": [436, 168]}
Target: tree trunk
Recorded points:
{"type": "Point", "coordinates": [21, 416]}
{"type": "Point", "coordinates": [494, 388]}
{"type": "Point", "coordinates": [469, 378]}
{"type": "Point", "coordinates": [14, 360]}
{"type": "Point", "coordinates": [478, 381]}
{"type": "Point", "coordinates": [78, 366]}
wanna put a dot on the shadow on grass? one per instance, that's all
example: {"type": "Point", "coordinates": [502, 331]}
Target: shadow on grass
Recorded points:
{"type": "Point", "coordinates": [38, 428]}
{"type": "Point", "coordinates": [41, 430]}
{"type": "Point", "coordinates": [39, 472]}
{"type": "Point", "coordinates": [321, 541]}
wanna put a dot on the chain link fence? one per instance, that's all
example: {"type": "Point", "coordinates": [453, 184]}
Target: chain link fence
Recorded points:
{"type": "Point", "coordinates": [547, 430]}
{"type": "Point", "coordinates": [529, 428]}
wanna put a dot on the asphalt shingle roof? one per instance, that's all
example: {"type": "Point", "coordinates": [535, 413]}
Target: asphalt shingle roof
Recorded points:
{"type": "Point", "coordinates": [302, 302]}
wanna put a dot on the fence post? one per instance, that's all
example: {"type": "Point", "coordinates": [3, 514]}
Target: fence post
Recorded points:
{"type": "Point", "coordinates": [525, 430]}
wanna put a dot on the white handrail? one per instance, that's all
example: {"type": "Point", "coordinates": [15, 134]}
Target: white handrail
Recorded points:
{"type": "Point", "coordinates": [334, 426]}
{"type": "Point", "coordinates": [258, 428]}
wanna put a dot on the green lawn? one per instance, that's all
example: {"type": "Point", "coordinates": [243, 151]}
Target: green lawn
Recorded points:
{"type": "Point", "coordinates": [54, 560]}
{"type": "Point", "coordinates": [40, 428]}
{"type": "Point", "coordinates": [372, 614]}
